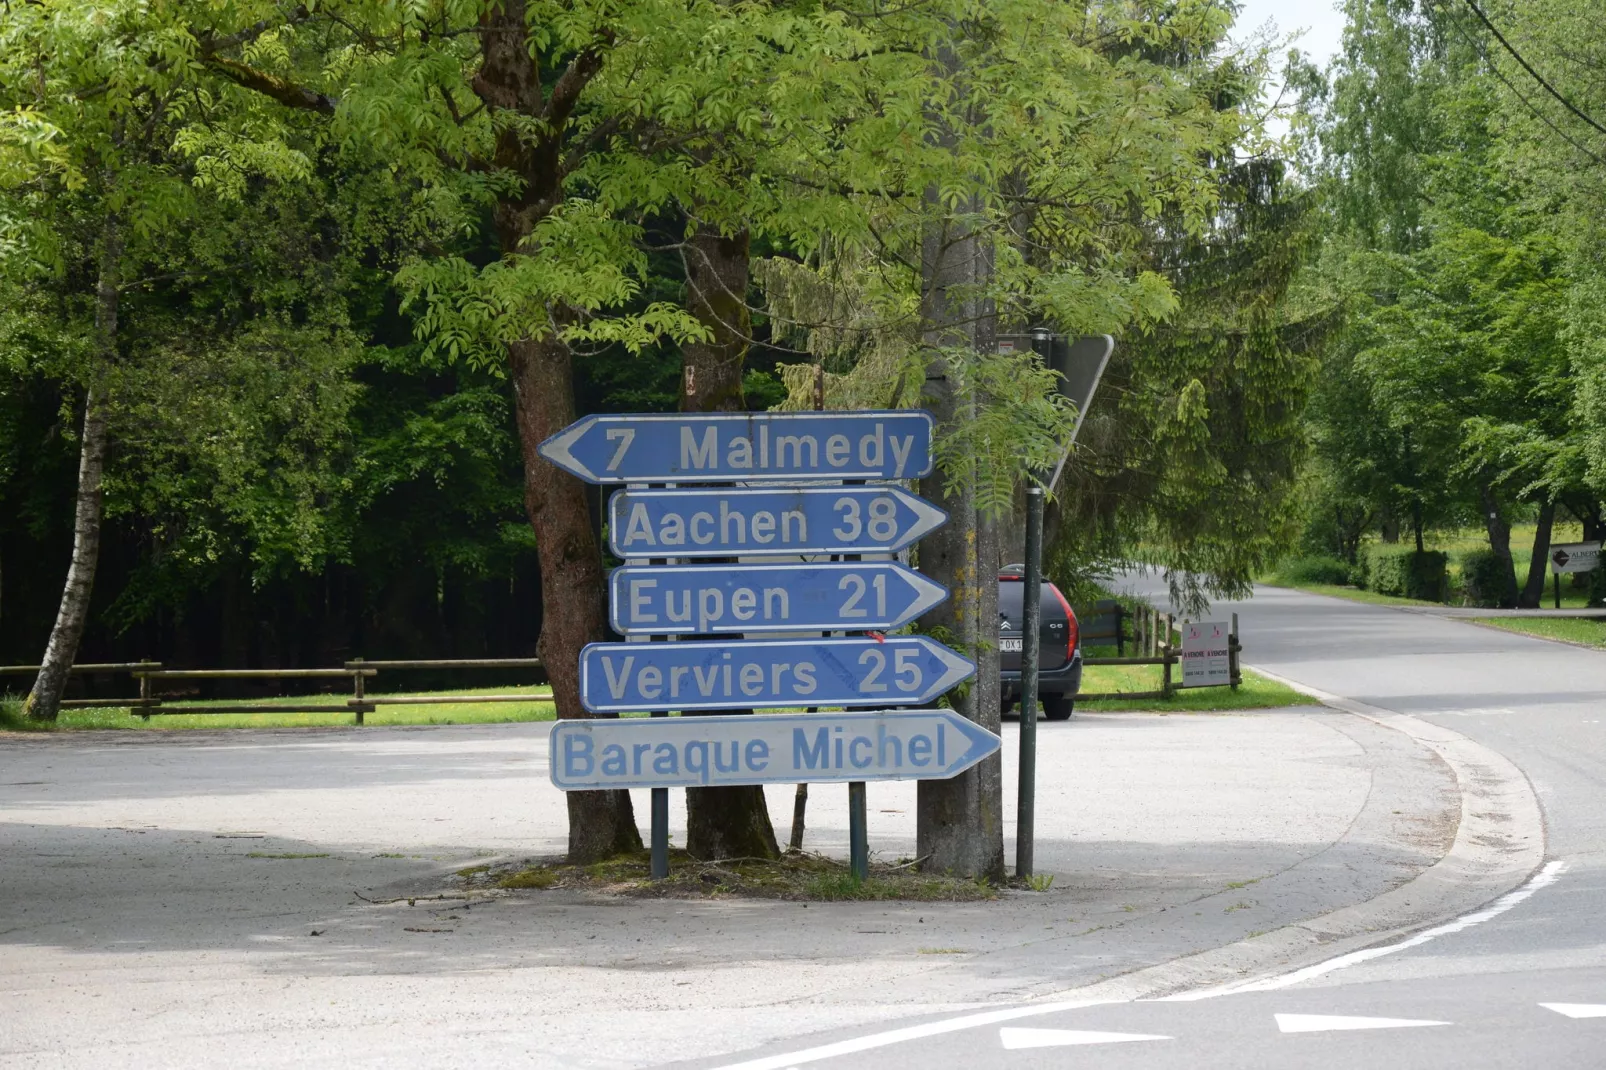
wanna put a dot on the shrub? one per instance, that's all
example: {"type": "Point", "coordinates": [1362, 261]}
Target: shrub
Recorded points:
{"type": "Point", "coordinates": [1485, 578]}
{"type": "Point", "coordinates": [1318, 568]}
{"type": "Point", "coordinates": [1405, 573]}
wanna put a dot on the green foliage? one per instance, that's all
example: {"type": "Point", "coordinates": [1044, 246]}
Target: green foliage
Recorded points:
{"type": "Point", "coordinates": [1485, 578]}
{"type": "Point", "coordinates": [1300, 571]}
{"type": "Point", "coordinates": [1406, 573]}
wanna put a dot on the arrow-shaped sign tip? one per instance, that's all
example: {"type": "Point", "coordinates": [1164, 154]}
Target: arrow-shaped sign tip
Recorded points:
{"type": "Point", "coordinates": [559, 449]}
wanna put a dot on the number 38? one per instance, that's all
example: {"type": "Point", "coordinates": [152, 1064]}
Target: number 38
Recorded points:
{"type": "Point", "coordinates": [883, 524]}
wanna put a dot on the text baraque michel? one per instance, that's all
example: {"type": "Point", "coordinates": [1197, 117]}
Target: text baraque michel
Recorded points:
{"type": "Point", "coordinates": [887, 751]}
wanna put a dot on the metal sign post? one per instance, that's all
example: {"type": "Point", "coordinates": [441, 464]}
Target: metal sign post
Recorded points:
{"type": "Point", "coordinates": [1080, 363]}
{"type": "Point", "coordinates": [1031, 641]}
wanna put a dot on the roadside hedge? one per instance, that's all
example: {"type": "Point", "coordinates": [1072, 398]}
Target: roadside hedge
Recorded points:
{"type": "Point", "coordinates": [1405, 573]}
{"type": "Point", "coordinates": [1485, 578]}
{"type": "Point", "coordinates": [1317, 568]}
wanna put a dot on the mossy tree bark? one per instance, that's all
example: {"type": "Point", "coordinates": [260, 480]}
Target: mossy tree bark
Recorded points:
{"type": "Point", "coordinates": [729, 822]}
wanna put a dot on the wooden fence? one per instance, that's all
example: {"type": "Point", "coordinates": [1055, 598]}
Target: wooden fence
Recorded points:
{"type": "Point", "coordinates": [358, 671]}
{"type": "Point", "coordinates": [1155, 636]}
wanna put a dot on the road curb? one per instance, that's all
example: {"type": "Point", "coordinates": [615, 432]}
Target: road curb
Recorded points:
{"type": "Point", "coordinates": [1499, 845]}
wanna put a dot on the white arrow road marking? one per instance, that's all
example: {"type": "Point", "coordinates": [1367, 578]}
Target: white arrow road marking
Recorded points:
{"type": "Point", "coordinates": [1322, 1023]}
{"type": "Point", "coordinates": [1577, 1010]}
{"type": "Point", "coordinates": [1014, 1039]}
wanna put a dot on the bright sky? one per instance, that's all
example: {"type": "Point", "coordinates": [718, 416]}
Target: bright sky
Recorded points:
{"type": "Point", "coordinates": [1321, 20]}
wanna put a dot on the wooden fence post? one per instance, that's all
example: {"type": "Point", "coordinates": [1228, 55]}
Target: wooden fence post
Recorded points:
{"type": "Point", "coordinates": [1165, 652]}
{"type": "Point", "coordinates": [357, 689]}
{"type": "Point", "coordinates": [145, 696]}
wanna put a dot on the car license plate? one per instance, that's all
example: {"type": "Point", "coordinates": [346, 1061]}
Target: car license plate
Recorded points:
{"type": "Point", "coordinates": [1009, 646]}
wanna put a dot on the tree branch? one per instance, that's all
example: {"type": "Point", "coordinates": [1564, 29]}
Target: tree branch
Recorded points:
{"type": "Point", "coordinates": [271, 85]}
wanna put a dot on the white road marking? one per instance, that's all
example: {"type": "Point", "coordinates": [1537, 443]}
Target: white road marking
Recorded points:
{"type": "Point", "coordinates": [913, 1032]}
{"type": "Point", "coordinates": [1543, 879]}
{"type": "Point", "coordinates": [1323, 1023]}
{"type": "Point", "coordinates": [1577, 1010]}
{"type": "Point", "coordinates": [1014, 1039]}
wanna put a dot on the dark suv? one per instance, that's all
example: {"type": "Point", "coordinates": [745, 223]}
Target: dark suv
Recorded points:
{"type": "Point", "coordinates": [1059, 658]}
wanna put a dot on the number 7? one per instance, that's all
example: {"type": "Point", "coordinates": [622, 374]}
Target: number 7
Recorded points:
{"type": "Point", "coordinates": [624, 436]}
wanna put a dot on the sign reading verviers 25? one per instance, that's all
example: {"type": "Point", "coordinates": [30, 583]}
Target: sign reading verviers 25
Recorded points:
{"type": "Point", "coordinates": [675, 752]}
{"type": "Point", "coordinates": [721, 522]}
{"type": "Point", "coordinates": [707, 447]}
{"type": "Point", "coordinates": [767, 673]}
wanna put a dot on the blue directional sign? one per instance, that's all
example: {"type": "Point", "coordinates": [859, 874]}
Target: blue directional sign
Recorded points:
{"type": "Point", "coordinates": [674, 752]}
{"type": "Point", "coordinates": [709, 599]}
{"type": "Point", "coordinates": [768, 520]}
{"type": "Point", "coordinates": [767, 673]}
{"type": "Point", "coordinates": [720, 447]}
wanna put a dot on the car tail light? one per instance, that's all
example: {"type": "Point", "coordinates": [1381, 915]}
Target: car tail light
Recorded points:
{"type": "Point", "coordinates": [1073, 631]}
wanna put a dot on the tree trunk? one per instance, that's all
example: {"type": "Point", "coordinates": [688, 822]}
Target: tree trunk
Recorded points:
{"type": "Point", "coordinates": [717, 274]}
{"type": "Point", "coordinates": [1499, 542]}
{"type": "Point", "coordinates": [1534, 589]}
{"type": "Point", "coordinates": [731, 822]}
{"type": "Point", "coordinates": [601, 823]}
{"type": "Point", "coordinates": [44, 701]}
{"type": "Point", "coordinates": [959, 826]}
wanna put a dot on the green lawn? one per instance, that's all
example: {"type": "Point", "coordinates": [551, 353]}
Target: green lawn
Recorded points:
{"type": "Point", "coordinates": [1354, 594]}
{"type": "Point", "coordinates": [537, 709]}
{"type": "Point", "coordinates": [1455, 544]}
{"type": "Point", "coordinates": [1255, 693]}
{"type": "Point", "coordinates": [1579, 630]}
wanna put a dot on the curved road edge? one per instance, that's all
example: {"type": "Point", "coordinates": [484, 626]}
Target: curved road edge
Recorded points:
{"type": "Point", "coordinates": [1499, 845]}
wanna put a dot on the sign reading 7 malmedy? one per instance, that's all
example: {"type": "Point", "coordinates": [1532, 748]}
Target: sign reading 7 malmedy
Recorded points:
{"type": "Point", "coordinates": [722, 447]}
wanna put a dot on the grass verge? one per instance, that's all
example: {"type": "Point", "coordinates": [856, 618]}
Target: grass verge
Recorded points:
{"type": "Point", "coordinates": [1255, 693]}
{"type": "Point", "coordinates": [1353, 594]}
{"type": "Point", "coordinates": [1581, 630]}
{"type": "Point", "coordinates": [803, 877]}
{"type": "Point", "coordinates": [537, 709]}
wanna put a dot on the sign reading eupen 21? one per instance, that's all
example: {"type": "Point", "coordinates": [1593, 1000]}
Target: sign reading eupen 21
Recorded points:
{"type": "Point", "coordinates": [674, 752]}
{"type": "Point", "coordinates": [713, 599]}
{"type": "Point", "coordinates": [712, 447]}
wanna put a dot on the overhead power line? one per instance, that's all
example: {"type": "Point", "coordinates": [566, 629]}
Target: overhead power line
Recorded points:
{"type": "Point", "coordinates": [1498, 36]}
{"type": "Point", "coordinates": [1477, 46]}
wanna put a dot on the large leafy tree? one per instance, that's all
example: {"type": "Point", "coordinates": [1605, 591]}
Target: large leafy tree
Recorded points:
{"type": "Point", "coordinates": [1451, 373]}
{"type": "Point", "coordinates": [121, 181]}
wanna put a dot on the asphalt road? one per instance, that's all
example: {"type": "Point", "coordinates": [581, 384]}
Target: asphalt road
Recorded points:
{"type": "Point", "coordinates": [1521, 985]}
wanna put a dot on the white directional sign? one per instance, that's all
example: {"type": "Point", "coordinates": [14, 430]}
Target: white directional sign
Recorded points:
{"type": "Point", "coordinates": [671, 752]}
{"type": "Point", "coordinates": [1205, 658]}
{"type": "Point", "coordinates": [1574, 557]}
{"type": "Point", "coordinates": [767, 674]}
{"type": "Point", "coordinates": [709, 599]}
{"type": "Point", "coordinates": [717, 522]}
{"type": "Point", "coordinates": [720, 447]}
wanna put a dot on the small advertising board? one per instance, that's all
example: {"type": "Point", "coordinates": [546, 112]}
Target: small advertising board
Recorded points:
{"type": "Point", "coordinates": [1206, 661]}
{"type": "Point", "coordinates": [1568, 557]}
